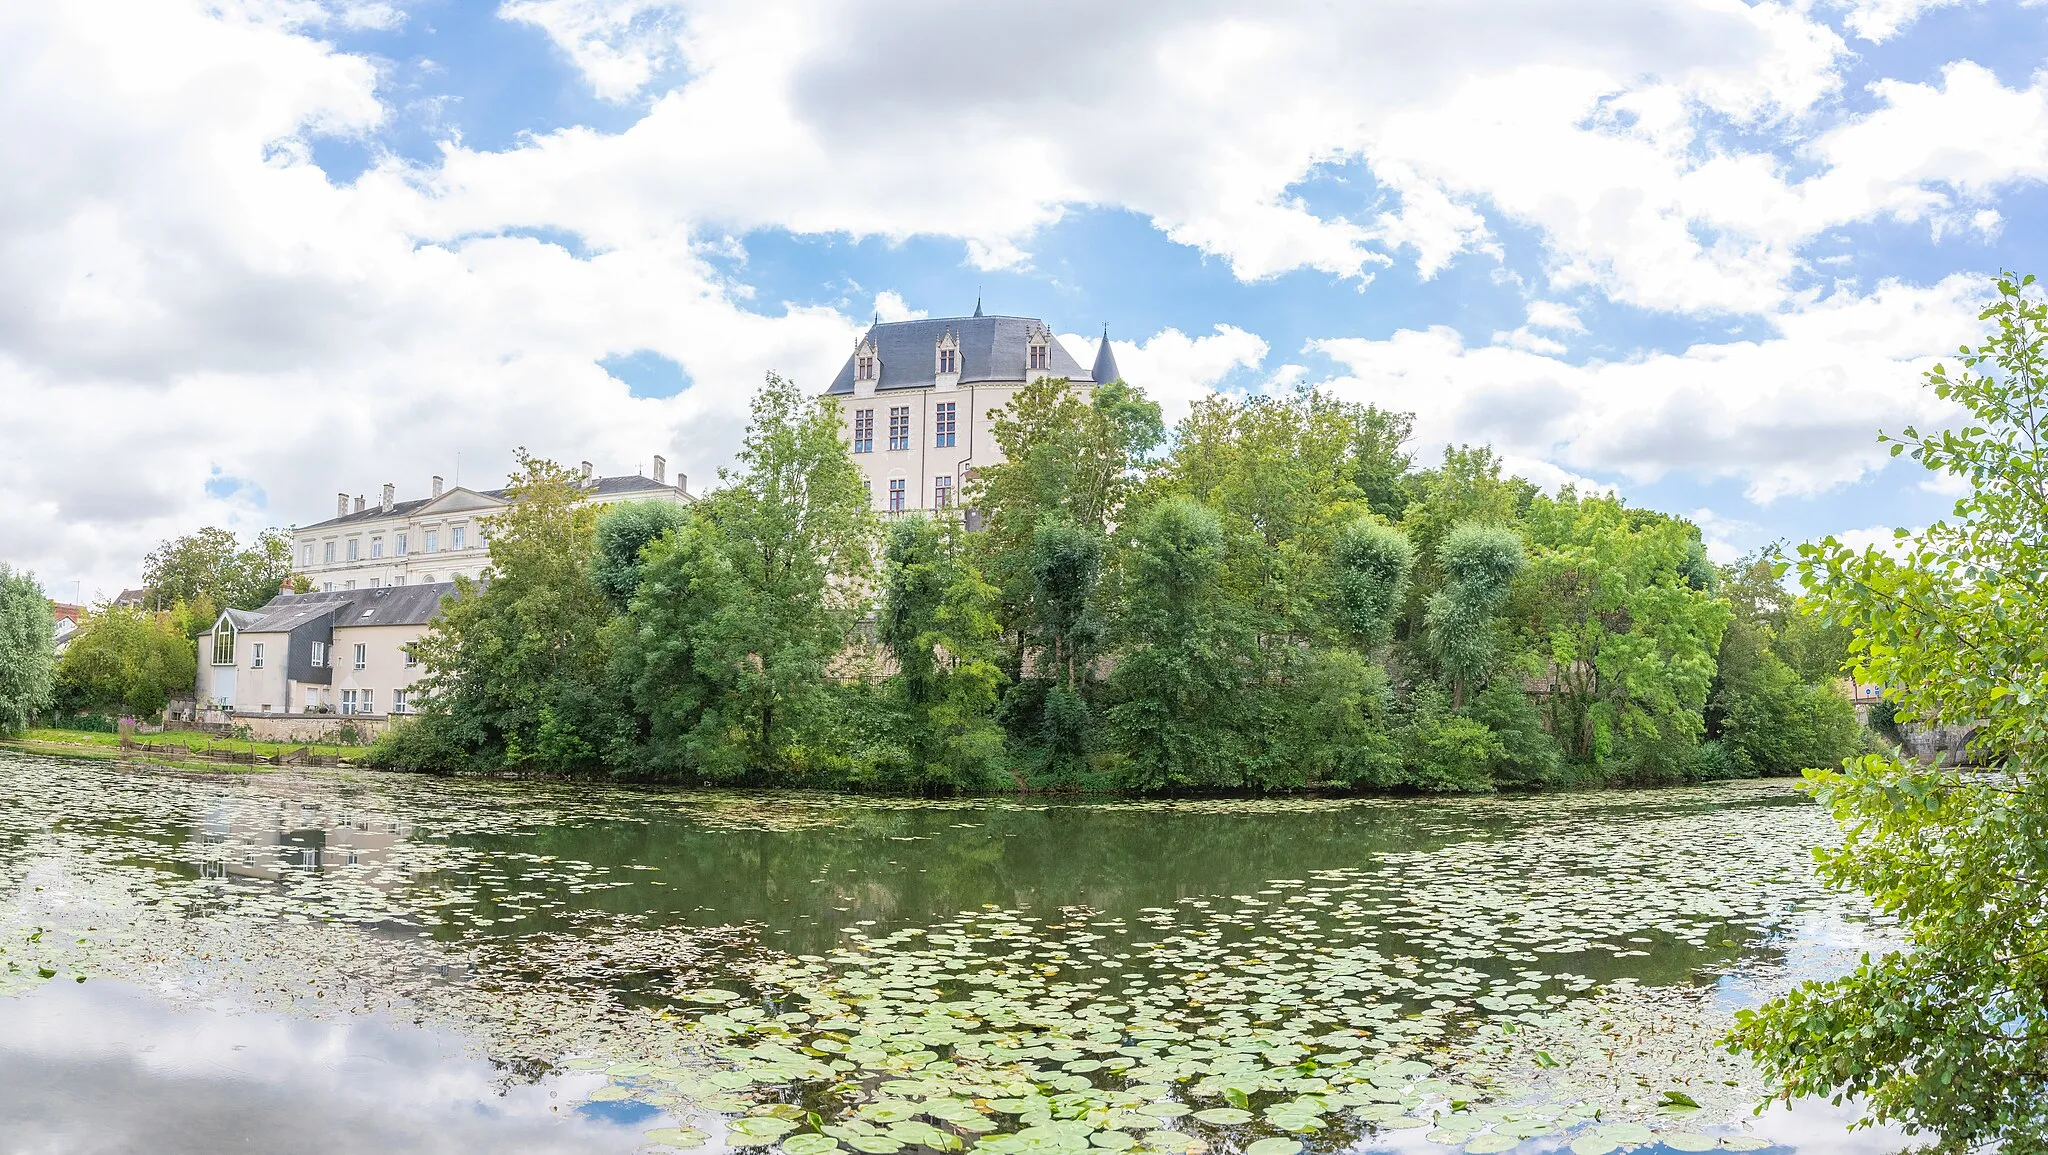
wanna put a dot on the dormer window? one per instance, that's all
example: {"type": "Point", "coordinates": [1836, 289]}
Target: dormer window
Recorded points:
{"type": "Point", "coordinates": [864, 367]}
{"type": "Point", "coordinates": [949, 361]}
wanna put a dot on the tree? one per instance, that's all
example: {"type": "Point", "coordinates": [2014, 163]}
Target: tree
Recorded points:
{"type": "Point", "coordinates": [1949, 1036]}
{"type": "Point", "coordinates": [758, 602]}
{"type": "Point", "coordinates": [1479, 563]}
{"type": "Point", "coordinates": [212, 564]}
{"type": "Point", "coordinates": [623, 531]}
{"type": "Point", "coordinates": [1370, 563]}
{"type": "Point", "coordinates": [28, 627]}
{"type": "Point", "coordinates": [1065, 626]}
{"type": "Point", "coordinates": [516, 665]}
{"type": "Point", "coordinates": [1613, 618]}
{"type": "Point", "coordinates": [938, 620]}
{"type": "Point", "coordinates": [126, 659]}
{"type": "Point", "coordinates": [1184, 658]}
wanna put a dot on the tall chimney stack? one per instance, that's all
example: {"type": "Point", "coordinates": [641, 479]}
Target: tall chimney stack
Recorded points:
{"type": "Point", "coordinates": [390, 491]}
{"type": "Point", "coordinates": [586, 471]}
{"type": "Point", "coordinates": [341, 505]}
{"type": "Point", "coordinates": [360, 503]}
{"type": "Point", "coordinates": [660, 468]}
{"type": "Point", "coordinates": [437, 487]}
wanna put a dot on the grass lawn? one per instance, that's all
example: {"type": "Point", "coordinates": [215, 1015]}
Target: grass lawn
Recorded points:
{"type": "Point", "coordinates": [190, 739]}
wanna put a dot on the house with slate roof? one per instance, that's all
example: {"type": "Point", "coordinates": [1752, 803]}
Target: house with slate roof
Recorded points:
{"type": "Point", "coordinates": [919, 399]}
{"type": "Point", "coordinates": [346, 652]}
{"type": "Point", "coordinates": [434, 538]}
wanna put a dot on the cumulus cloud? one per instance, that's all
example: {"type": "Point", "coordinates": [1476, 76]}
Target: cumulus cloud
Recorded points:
{"type": "Point", "coordinates": [1789, 415]}
{"type": "Point", "coordinates": [1173, 368]}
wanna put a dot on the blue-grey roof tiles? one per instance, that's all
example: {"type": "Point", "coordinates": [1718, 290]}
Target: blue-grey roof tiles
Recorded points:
{"type": "Point", "coordinates": [992, 349]}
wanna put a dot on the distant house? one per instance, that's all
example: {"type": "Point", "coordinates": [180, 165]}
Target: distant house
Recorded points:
{"type": "Point", "coordinates": [436, 538]}
{"type": "Point", "coordinates": [135, 599]}
{"type": "Point", "coordinates": [349, 652]}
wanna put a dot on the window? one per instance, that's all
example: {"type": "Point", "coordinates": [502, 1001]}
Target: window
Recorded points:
{"type": "Point", "coordinates": [866, 369]}
{"type": "Point", "coordinates": [375, 582]}
{"type": "Point", "coordinates": [412, 653]}
{"type": "Point", "coordinates": [863, 431]}
{"type": "Point", "coordinates": [328, 554]}
{"type": "Point", "coordinates": [362, 655]}
{"type": "Point", "coordinates": [949, 361]}
{"type": "Point", "coordinates": [455, 536]}
{"type": "Point", "coordinates": [943, 423]}
{"type": "Point", "coordinates": [319, 654]}
{"type": "Point", "coordinates": [376, 547]}
{"type": "Point", "coordinates": [899, 427]}
{"type": "Point", "coordinates": [348, 701]}
{"type": "Point", "coordinates": [1038, 356]}
{"type": "Point", "coordinates": [942, 491]}
{"type": "Point", "coordinates": [429, 579]}
{"type": "Point", "coordinates": [355, 548]}
{"type": "Point", "coordinates": [895, 495]}
{"type": "Point", "coordinates": [256, 656]}
{"type": "Point", "coordinates": [399, 580]}
{"type": "Point", "coordinates": [365, 705]}
{"type": "Point", "coordinates": [326, 587]}
{"type": "Point", "coordinates": [349, 584]}
{"type": "Point", "coordinates": [400, 544]}
{"type": "Point", "coordinates": [223, 645]}
{"type": "Point", "coordinates": [306, 555]}
{"type": "Point", "coordinates": [433, 541]}
{"type": "Point", "coordinates": [398, 701]}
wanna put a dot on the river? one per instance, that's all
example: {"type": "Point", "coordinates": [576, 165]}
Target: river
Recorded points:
{"type": "Point", "coordinates": [343, 961]}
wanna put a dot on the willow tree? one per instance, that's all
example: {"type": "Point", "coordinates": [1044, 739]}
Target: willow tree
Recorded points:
{"type": "Point", "coordinates": [1949, 1036]}
{"type": "Point", "coordinates": [27, 632]}
{"type": "Point", "coordinates": [1479, 563]}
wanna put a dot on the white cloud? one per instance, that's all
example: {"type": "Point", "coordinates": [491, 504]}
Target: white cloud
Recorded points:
{"type": "Point", "coordinates": [1794, 414]}
{"type": "Point", "coordinates": [618, 45]}
{"type": "Point", "coordinates": [1174, 368]}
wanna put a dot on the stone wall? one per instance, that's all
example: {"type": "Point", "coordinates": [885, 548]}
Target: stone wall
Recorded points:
{"type": "Point", "coordinates": [309, 728]}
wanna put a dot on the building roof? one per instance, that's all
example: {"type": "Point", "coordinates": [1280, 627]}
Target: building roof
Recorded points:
{"type": "Point", "coordinates": [597, 487]}
{"type": "Point", "coordinates": [991, 349]}
{"type": "Point", "coordinates": [413, 605]}
{"type": "Point", "coordinates": [1105, 361]}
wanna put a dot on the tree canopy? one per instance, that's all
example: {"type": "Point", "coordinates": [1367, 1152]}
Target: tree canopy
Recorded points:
{"type": "Point", "coordinates": [28, 626]}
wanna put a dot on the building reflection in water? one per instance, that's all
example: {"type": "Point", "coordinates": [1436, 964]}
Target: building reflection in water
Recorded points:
{"type": "Point", "coordinates": [291, 839]}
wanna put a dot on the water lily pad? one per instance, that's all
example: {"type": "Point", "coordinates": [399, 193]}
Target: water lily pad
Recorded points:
{"type": "Point", "coordinates": [683, 1137]}
{"type": "Point", "coordinates": [1490, 1144]}
{"type": "Point", "coordinates": [1689, 1141]}
{"type": "Point", "coordinates": [810, 1143]}
{"type": "Point", "coordinates": [1593, 1145]}
{"type": "Point", "coordinates": [1224, 1116]}
{"type": "Point", "coordinates": [1274, 1146]}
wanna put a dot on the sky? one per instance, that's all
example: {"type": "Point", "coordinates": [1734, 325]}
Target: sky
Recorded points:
{"type": "Point", "coordinates": [254, 253]}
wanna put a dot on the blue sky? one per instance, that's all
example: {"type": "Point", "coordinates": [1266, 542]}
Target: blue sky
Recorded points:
{"type": "Point", "coordinates": [1696, 250]}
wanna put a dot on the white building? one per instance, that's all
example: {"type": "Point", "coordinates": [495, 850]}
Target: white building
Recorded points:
{"type": "Point", "coordinates": [434, 538]}
{"type": "Point", "coordinates": [920, 399]}
{"type": "Point", "coordinates": [349, 652]}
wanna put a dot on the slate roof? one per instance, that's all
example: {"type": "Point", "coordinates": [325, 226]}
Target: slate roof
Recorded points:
{"type": "Point", "coordinates": [412, 605]}
{"type": "Point", "coordinates": [604, 487]}
{"type": "Point", "coordinates": [991, 349]}
{"type": "Point", "coordinates": [1105, 361]}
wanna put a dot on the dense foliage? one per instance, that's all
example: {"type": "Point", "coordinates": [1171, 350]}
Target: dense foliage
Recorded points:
{"type": "Point", "coordinates": [28, 625]}
{"type": "Point", "coordinates": [1949, 1037]}
{"type": "Point", "coordinates": [126, 659]}
{"type": "Point", "coordinates": [1276, 598]}
{"type": "Point", "coordinates": [211, 566]}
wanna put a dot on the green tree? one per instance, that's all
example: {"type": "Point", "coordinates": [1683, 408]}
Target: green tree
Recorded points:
{"type": "Point", "coordinates": [758, 601]}
{"type": "Point", "coordinates": [938, 621]}
{"type": "Point", "coordinates": [1479, 563]}
{"type": "Point", "coordinates": [28, 627]}
{"type": "Point", "coordinates": [213, 565]}
{"type": "Point", "coordinates": [515, 666]}
{"type": "Point", "coordinates": [1065, 628]}
{"type": "Point", "coordinates": [1948, 1037]}
{"type": "Point", "coordinates": [622, 532]}
{"type": "Point", "coordinates": [126, 659]}
{"type": "Point", "coordinates": [1184, 654]}
{"type": "Point", "coordinates": [1468, 486]}
{"type": "Point", "coordinates": [1370, 563]}
{"type": "Point", "coordinates": [1614, 620]}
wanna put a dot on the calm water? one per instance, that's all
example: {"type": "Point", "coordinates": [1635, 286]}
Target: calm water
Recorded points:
{"type": "Point", "coordinates": [349, 962]}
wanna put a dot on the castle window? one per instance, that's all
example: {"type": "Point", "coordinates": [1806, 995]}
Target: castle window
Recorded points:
{"type": "Point", "coordinates": [1038, 358]}
{"type": "Point", "coordinates": [863, 431]}
{"type": "Point", "coordinates": [895, 495]}
{"type": "Point", "coordinates": [943, 423]}
{"type": "Point", "coordinates": [899, 427]}
{"type": "Point", "coordinates": [865, 368]}
{"type": "Point", "coordinates": [949, 361]}
{"type": "Point", "coordinates": [942, 491]}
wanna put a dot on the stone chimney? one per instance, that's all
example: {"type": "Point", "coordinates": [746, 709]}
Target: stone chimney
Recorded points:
{"type": "Point", "coordinates": [660, 469]}
{"type": "Point", "coordinates": [341, 505]}
{"type": "Point", "coordinates": [390, 490]}
{"type": "Point", "coordinates": [360, 503]}
{"type": "Point", "coordinates": [437, 487]}
{"type": "Point", "coordinates": [587, 482]}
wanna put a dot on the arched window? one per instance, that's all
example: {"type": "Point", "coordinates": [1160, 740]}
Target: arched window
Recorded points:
{"type": "Point", "coordinates": [223, 643]}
